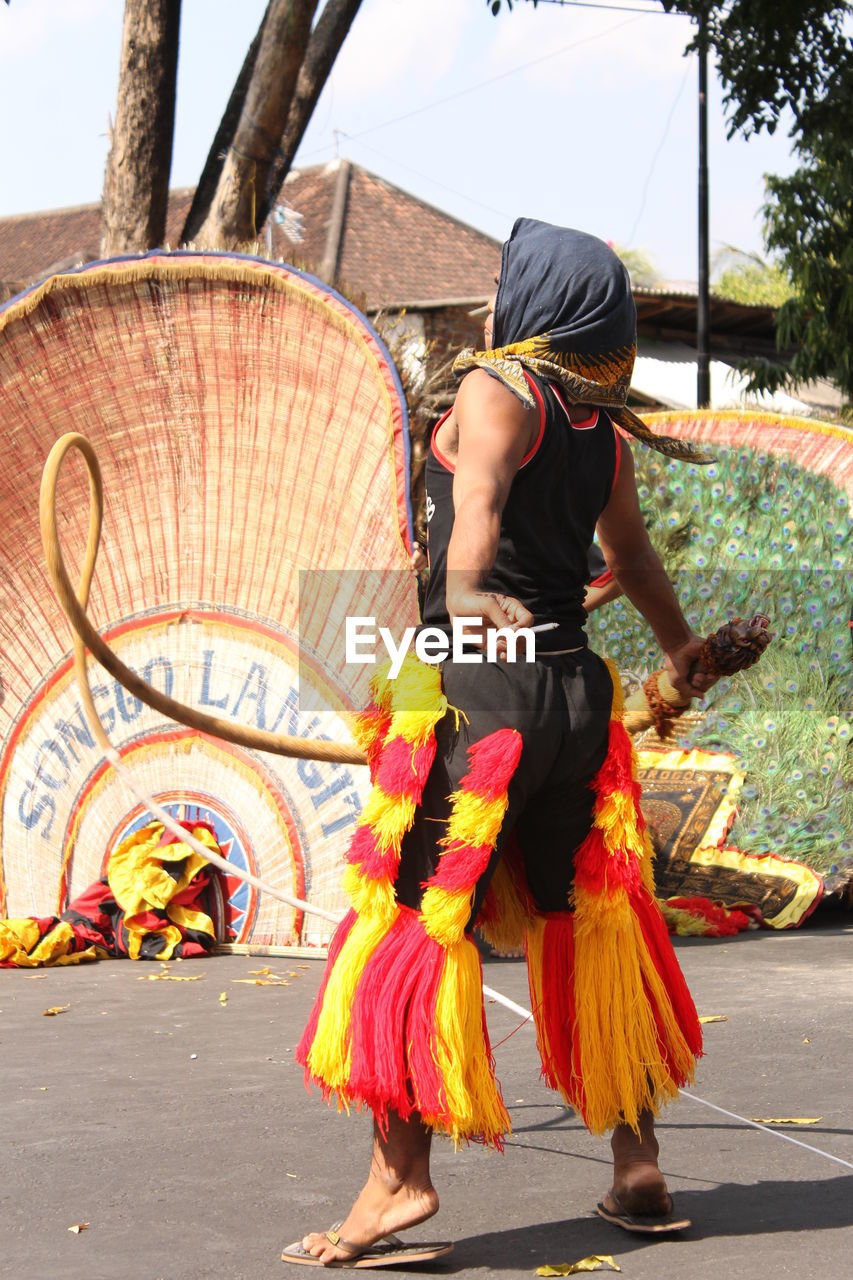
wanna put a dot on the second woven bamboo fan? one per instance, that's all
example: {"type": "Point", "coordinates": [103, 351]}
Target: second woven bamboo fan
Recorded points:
{"type": "Point", "coordinates": [252, 436]}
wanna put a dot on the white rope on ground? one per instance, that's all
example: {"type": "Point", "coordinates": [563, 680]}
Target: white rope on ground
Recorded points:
{"type": "Point", "coordinates": [85, 634]}
{"type": "Point", "coordinates": [491, 994]}
{"type": "Point", "coordinates": [754, 1124]}
{"type": "Point", "coordinates": [162, 815]}
{"type": "Point", "coordinates": [694, 1097]}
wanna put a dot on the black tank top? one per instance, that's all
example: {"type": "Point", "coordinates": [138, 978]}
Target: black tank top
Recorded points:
{"type": "Point", "coordinates": [548, 523]}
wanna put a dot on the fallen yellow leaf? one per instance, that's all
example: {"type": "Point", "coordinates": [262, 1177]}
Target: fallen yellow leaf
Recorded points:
{"type": "Point", "coordinates": [78, 1227]}
{"type": "Point", "coordinates": [263, 982]}
{"type": "Point", "coordinates": [55, 1009]}
{"type": "Point", "coordinates": [786, 1119]}
{"type": "Point", "coordinates": [595, 1262]}
{"type": "Point", "coordinates": [223, 997]}
{"type": "Point", "coordinates": [714, 1017]}
{"type": "Point", "coordinates": [260, 972]}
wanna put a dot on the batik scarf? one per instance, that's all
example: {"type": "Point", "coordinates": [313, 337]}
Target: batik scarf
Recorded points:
{"type": "Point", "coordinates": [564, 310]}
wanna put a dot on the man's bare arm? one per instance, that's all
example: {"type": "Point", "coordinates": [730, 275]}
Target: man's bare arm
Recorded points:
{"type": "Point", "coordinates": [595, 596]}
{"type": "Point", "coordinates": [637, 567]}
{"type": "Point", "coordinates": [495, 432]}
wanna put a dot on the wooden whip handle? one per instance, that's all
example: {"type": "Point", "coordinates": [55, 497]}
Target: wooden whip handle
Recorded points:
{"type": "Point", "coordinates": [639, 715]}
{"type": "Point", "coordinates": [669, 691]}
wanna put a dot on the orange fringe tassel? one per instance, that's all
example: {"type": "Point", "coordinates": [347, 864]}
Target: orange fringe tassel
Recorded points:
{"type": "Point", "coordinates": [618, 1032]}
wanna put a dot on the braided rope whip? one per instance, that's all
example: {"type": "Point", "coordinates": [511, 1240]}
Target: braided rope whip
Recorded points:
{"type": "Point", "coordinates": [85, 636]}
{"type": "Point", "coordinates": [735, 646]}
{"type": "Point", "coordinates": [755, 637]}
{"type": "Point", "coordinates": [732, 648]}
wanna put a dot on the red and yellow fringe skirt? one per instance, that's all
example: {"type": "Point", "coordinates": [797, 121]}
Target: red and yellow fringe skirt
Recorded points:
{"type": "Point", "coordinates": [399, 1023]}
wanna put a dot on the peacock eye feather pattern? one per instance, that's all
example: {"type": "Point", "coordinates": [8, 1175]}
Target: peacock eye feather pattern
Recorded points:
{"type": "Point", "coordinates": [755, 532]}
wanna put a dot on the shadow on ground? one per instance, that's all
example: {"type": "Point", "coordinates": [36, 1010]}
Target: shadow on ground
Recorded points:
{"type": "Point", "coordinates": [729, 1209]}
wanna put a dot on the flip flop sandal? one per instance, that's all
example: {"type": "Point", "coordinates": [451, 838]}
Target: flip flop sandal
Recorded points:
{"type": "Point", "coordinates": [389, 1251]}
{"type": "Point", "coordinates": [642, 1224]}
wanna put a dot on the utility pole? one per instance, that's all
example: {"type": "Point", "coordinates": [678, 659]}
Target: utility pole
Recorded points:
{"type": "Point", "coordinates": [703, 310]}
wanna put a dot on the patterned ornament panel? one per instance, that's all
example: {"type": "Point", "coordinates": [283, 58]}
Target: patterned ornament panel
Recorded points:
{"type": "Point", "coordinates": [759, 531]}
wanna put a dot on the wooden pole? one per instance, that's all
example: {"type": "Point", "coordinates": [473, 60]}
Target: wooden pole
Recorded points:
{"type": "Point", "coordinates": [703, 310]}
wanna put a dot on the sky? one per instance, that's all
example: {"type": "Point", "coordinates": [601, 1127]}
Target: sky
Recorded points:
{"type": "Point", "coordinates": [578, 116]}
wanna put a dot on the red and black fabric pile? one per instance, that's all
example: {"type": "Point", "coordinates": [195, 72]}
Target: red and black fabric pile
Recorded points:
{"type": "Point", "coordinates": [154, 903]}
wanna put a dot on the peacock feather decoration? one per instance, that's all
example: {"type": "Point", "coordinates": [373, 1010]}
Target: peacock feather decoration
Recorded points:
{"type": "Point", "coordinates": [755, 532]}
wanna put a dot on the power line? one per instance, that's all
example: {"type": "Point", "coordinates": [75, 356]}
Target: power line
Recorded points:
{"type": "Point", "coordinates": [427, 177]}
{"type": "Point", "coordinates": [659, 149]}
{"type": "Point", "coordinates": [482, 84]}
{"type": "Point", "coordinates": [616, 8]}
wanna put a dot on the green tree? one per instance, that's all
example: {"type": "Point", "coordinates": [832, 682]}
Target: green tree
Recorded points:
{"type": "Point", "coordinates": [770, 54]}
{"type": "Point", "coordinates": [750, 279]}
{"type": "Point", "coordinates": [809, 225]}
{"type": "Point", "coordinates": [805, 64]}
{"type": "Point", "coordinates": [643, 272]}
{"type": "Point", "coordinates": [774, 56]}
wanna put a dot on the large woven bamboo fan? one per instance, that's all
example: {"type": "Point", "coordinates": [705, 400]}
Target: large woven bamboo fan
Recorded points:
{"type": "Point", "coordinates": [252, 436]}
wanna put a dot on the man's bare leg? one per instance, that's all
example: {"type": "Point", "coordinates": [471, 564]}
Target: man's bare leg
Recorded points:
{"type": "Point", "coordinates": [398, 1192]}
{"type": "Point", "coordinates": [638, 1183]}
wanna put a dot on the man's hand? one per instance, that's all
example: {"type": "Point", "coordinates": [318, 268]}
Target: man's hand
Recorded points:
{"type": "Point", "coordinates": [494, 611]}
{"type": "Point", "coordinates": [679, 661]}
{"type": "Point", "coordinates": [419, 559]}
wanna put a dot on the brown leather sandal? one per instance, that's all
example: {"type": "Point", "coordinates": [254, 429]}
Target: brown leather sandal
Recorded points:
{"type": "Point", "coordinates": [642, 1224]}
{"type": "Point", "coordinates": [388, 1251]}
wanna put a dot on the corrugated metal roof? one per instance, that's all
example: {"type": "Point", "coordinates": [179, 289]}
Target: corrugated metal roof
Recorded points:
{"type": "Point", "coordinates": [665, 373]}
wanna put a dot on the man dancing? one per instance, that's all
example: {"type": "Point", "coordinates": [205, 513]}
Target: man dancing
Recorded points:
{"type": "Point", "coordinates": [504, 793]}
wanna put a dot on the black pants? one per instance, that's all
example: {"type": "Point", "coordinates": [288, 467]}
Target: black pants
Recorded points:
{"type": "Point", "coordinates": [561, 706]}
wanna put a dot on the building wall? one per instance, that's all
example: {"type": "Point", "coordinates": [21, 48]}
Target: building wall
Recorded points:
{"type": "Point", "coordinates": [451, 328]}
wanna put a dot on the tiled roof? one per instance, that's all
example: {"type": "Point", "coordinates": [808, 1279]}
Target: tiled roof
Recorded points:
{"type": "Point", "coordinates": [32, 243]}
{"type": "Point", "coordinates": [392, 248]}
{"type": "Point", "coordinates": [408, 250]}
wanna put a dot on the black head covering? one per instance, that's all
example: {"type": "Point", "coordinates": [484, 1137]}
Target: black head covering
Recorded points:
{"type": "Point", "coordinates": [567, 284]}
{"type": "Point", "coordinates": [564, 310]}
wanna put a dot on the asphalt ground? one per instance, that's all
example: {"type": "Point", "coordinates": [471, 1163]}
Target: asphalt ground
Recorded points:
{"type": "Point", "coordinates": [179, 1129]}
